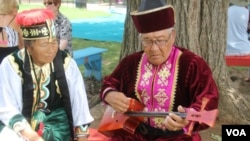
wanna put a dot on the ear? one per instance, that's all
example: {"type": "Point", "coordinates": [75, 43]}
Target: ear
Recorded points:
{"type": "Point", "coordinates": [173, 35]}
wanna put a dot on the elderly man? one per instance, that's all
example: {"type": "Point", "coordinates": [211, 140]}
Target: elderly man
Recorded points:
{"type": "Point", "coordinates": [163, 78]}
{"type": "Point", "coordinates": [41, 88]}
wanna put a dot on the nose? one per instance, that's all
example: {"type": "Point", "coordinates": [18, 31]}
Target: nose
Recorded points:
{"type": "Point", "coordinates": [154, 46]}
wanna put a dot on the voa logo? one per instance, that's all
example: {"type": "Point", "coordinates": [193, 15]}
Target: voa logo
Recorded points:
{"type": "Point", "coordinates": [236, 132]}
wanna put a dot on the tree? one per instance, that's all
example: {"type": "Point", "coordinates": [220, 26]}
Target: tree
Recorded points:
{"type": "Point", "coordinates": [130, 38]}
{"type": "Point", "coordinates": [201, 27]}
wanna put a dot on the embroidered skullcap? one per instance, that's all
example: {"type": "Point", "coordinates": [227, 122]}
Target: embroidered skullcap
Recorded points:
{"type": "Point", "coordinates": [153, 15]}
{"type": "Point", "coordinates": [36, 24]}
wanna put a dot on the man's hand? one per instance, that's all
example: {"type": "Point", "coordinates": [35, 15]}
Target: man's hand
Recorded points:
{"type": "Point", "coordinates": [82, 139]}
{"type": "Point", "coordinates": [31, 135]}
{"type": "Point", "coordinates": [174, 122]}
{"type": "Point", "coordinates": [118, 101]}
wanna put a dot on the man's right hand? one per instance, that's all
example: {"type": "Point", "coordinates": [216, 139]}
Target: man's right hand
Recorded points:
{"type": "Point", "coordinates": [31, 135]}
{"type": "Point", "coordinates": [118, 101]}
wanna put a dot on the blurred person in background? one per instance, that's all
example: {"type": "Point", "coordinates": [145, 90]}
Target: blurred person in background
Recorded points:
{"type": "Point", "coordinates": [62, 24]}
{"type": "Point", "coordinates": [237, 30]}
{"type": "Point", "coordinates": [10, 33]}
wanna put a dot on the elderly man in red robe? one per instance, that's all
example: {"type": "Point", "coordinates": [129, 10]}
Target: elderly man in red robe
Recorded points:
{"type": "Point", "coordinates": [163, 77]}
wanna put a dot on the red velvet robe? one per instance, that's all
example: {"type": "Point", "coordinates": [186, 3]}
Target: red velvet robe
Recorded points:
{"type": "Point", "coordinates": [194, 82]}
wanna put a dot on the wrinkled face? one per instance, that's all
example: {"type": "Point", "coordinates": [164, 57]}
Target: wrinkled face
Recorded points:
{"type": "Point", "coordinates": [42, 51]}
{"type": "Point", "coordinates": [158, 45]}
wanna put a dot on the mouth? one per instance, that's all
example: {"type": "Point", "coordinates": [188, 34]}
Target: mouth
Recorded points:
{"type": "Point", "coordinates": [50, 57]}
{"type": "Point", "coordinates": [155, 56]}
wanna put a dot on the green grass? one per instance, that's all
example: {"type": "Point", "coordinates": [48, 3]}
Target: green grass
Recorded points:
{"type": "Point", "coordinates": [110, 58]}
{"type": "Point", "coordinates": [70, 12]}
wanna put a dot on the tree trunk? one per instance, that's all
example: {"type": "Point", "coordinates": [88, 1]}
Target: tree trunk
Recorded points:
{"type": "Point", "coordinates": [130, 36]}
{"type": "Point", "coordinates": [201, 27]}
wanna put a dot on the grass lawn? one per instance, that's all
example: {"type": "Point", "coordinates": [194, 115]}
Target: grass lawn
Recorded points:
{"type": "Point", "coordinates": [71, 12]}
{"type": "Point", "coordinates": [110, 58]}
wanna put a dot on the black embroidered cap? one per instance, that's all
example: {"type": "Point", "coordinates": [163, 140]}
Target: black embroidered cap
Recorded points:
{"type": "Point", "coordinates": [36, 24]}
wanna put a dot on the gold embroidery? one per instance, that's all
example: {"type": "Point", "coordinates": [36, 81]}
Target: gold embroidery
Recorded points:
{"type": "Point", "coordinates": [161, 97]}
{"type": "Point", "coordinates": [38, 31]}
{"type": "Point", "coordinates": [159, 122]}
{"type": "Point", "coordinates": [154, 89]}
{"type": "Point", "coordinates": [145, 96]}
{"type": "Point", "coordinates": [25, 33]}
{"type": "Point", "coordinates": [147, 75]}
{"type": "Point", "coordinates": [34, 32]}
{"type": "Point", "coordinates": [44, 31]}
{"type": "Point", "coordinates": [164, 73]}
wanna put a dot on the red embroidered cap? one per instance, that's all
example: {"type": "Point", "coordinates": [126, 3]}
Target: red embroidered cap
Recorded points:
{"type": "Point", "coordinates": [153, 15]}
{"type": "Point", "coordinates": [36, 24]}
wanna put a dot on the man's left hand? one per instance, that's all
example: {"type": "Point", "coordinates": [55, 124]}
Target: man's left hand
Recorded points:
{"type": "Point", "coordinates": [174, 122]}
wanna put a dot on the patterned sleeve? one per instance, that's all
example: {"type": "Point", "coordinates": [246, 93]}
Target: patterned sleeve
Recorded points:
{"type": "Point", "coordinates": [65, 29]}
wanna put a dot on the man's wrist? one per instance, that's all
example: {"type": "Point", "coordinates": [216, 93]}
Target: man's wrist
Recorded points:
{"type": "Point", "coordinates": [21, 125]}
{"type": "Point", "coordinates": [29, 134]}
{"type": "Point", "coordinates": [82, 131]}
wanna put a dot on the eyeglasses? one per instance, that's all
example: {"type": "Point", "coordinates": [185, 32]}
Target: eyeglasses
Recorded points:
{"type": "Point", "coordinates": [48, 3]}
{"type": "Point", "coordinates": [149, 43]}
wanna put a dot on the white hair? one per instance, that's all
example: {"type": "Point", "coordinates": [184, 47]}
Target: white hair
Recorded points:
{"type": "Point", "coordinates": [169, 30]}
